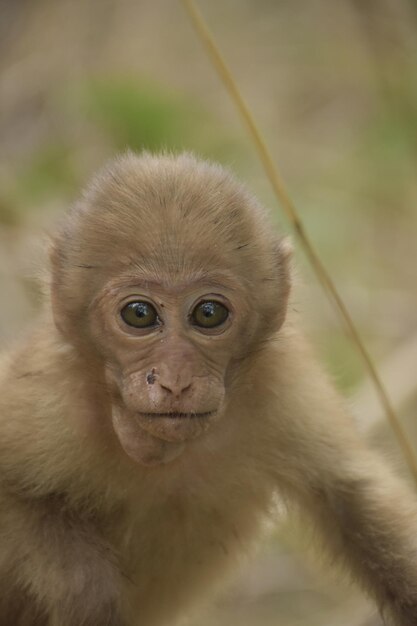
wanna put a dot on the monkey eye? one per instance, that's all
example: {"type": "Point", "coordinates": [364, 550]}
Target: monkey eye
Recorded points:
{"type": "Point", "coordinates": [209, 314]}
{"type": "Point", "coordinates": [140, 314]}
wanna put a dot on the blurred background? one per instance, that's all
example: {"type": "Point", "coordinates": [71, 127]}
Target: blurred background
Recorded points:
{"type": "Point", "coordinates": [333, 86]}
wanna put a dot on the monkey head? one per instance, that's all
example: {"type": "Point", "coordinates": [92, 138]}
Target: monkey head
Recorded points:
{"type": "Point", "coordinates": [167, 274]}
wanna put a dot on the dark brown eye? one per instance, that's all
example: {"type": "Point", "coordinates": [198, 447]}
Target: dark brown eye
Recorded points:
{"type": "Point", "coordinates": [209, 314]}
{"type": "Point", "coordinates": [139, 314]}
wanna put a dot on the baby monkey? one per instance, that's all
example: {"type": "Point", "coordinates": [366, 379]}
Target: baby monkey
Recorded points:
{"type": "Point", "coordinates": [161, 400]}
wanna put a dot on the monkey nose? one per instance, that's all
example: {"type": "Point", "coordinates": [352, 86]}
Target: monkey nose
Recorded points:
{"type": "Point", "coordinates": [173, 381]}
{"type": "Point", "coordinates": [176, 388]}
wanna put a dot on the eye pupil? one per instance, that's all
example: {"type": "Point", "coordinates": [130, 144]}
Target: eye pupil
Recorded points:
{"type": "Point", "coordinates": [141, 309]}
{"type": "Point", "coordinates": [209, 314]}
{"type": "Point", "coordinates": [139, 314]}
{"type": "Point", "coordinates": [207, 309]}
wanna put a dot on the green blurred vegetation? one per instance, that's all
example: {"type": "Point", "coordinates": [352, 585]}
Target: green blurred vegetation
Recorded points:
{"type": "Point", "coordinates": [122, 114]}
{"type": "Point", "coordinates": [140, 116]}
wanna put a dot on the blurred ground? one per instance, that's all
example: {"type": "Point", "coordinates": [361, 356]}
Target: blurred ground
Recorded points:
{"type": "Point", "coordinates": [333, 85]}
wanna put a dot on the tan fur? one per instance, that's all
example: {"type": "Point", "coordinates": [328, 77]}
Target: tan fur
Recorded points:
{"type": "Point", "coordinates": [129, 523]}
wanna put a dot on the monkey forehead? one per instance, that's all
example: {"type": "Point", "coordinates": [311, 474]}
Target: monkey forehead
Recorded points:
{"type": "Point", "coordinates": [172, 211]}
{"type": "Point", "coordinates": [141, 277]}
{"type": "Point", "coordinates": [173, 289]}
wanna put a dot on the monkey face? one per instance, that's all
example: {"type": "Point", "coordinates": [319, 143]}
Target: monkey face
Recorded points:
{"type": "Point", "coordinates": [169, 353]}
{"type": "Point", "coordinates": [168, 271]}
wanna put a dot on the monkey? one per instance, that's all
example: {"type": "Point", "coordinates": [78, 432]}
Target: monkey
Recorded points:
{"type": "Point", "coordinates": [161, 399]}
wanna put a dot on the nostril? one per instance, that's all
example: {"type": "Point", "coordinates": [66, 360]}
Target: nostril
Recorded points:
{"type": "Point", "coordinates": [185, 388]}
{"type": "Point", "coordinates": [175, 389]}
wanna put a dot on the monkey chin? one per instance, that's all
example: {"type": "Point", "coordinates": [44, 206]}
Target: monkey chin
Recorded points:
{"type": "Point", "coordinates": [157, 438]}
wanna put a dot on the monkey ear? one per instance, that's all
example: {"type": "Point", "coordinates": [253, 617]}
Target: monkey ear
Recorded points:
{"type": "Point", "coordinates": [285, 249]}
{"type": "Point", "coordinates": [283, 254]}
{"type": "Point", "coordinates": [54, 264]}
{"type": "Point", "coordinates": [54, 256]}
{"type": "Point", "coordinates": [63, 294]}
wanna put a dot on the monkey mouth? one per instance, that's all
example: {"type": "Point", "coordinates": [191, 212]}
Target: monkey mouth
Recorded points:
{"type": "Point", "coordinates": [179, 414]}
{"type": "Point", "coordinates": [176, 425]}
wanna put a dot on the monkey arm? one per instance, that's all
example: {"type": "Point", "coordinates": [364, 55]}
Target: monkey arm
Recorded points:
{"type": "Point", "coordinates": [366, 516]}
{"type": "Point", "coordinates": [60, 561]}
{"type": "Point", "coordinates": [368, 522]}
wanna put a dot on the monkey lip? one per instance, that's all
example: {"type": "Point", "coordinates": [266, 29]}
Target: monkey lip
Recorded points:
{"type": "Point", "coordinates": [179, 415]}
{"type": "Point", "coordinates": [176, 425]}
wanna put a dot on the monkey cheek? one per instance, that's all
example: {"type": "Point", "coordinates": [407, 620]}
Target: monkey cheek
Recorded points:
{"type": "Point", "coordinates": [141, 446]}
